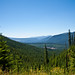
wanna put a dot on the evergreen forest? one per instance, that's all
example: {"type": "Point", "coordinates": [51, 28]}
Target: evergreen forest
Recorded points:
{"type": "Point", "coordinates": [22, 59]}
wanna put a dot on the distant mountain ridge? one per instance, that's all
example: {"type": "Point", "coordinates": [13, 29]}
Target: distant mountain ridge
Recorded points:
{"type": "Point", "coordinates": [59, 39]}
{"type": "Point", "coordinates": [56, 39]}
{"type": "Point", "coordinates": [30, 40]}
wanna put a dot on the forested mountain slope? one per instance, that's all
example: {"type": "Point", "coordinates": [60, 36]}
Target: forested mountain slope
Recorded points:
{"type": "Point", "coordinates": [30, 52]}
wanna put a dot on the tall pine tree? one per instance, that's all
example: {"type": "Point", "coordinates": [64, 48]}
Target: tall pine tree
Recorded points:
{"type": "Point", "coordinates": [69, 38]}
{"type": "Point", "coordinates": [46, 56]}
{"type": "Point", "coordinates": [67, 62]}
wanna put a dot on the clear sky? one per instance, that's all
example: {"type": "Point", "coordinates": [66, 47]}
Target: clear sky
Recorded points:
{"type": "Point", "coordinates": [28, 18]}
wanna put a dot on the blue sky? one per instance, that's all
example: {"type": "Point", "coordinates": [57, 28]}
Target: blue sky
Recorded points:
{"type": "Point", "coordinates": [29, 18]}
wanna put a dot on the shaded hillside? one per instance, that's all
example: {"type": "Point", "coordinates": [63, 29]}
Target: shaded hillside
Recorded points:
{"type": "Point", "coordinates": [59, 39]}
{"type": "Point", "coordinates": [23, 55]}
{"type": "Point", "coordinates": [30, 52]}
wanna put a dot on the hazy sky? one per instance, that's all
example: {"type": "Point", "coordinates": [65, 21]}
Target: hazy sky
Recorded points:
{"type": "Point", "coordinates": [28, 18]}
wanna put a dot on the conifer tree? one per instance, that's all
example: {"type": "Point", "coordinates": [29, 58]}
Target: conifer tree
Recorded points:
{"type": "Point", "coordinates": [54, 63]}
{"type": "Point", "coordinates": [57, 61]}
{"type": "Point", "coordinates": [69, 38]}
{"type": "Point", "coordinates": [4, 55]}
{"type": "Point", "coordinates": [67, 60]}
{"type": "Point", "coordinates": [46, 56]}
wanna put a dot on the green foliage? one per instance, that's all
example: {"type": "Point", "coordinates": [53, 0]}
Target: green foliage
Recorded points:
{"type": "Point", "coordinates": [65, 60]}
{"type": "Point", "coordinates": [5, 59]}
{"type": "Point", "coordinates": [71, 53]}
{"type": "Point", "coordinates": [31, 59]}
{"type": "Point", "coordinates": [25, 56]}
